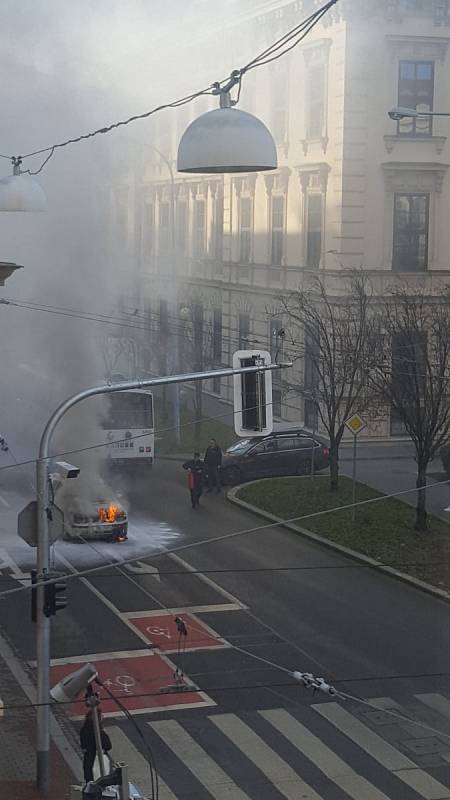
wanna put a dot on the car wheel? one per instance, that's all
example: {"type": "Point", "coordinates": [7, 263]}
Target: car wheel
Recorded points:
{"type": "Point", "coordinates": [232, 476]}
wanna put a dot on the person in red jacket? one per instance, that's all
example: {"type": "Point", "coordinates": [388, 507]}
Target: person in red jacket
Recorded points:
{"type": "Point", "coordinates": [196, 476]}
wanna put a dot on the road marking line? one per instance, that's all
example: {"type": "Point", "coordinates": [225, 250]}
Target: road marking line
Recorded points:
{"type": "Point", "coordinates": [207, 580]}
{"type": "Point", "coordinates": [4, 502]}
{"type": "Point", "coordinates": [101, 657]}
{"type": "Point", "coordinates": [139, 772]}
{"type": "Point", "coordinates": [322, 756]}
{"type": "Point", "coordinates": [8, 563]}
{"type": "Point", "coordinates": [183, 609]}
{"type": "Point", "coordinates": [123, 617]}
{"type": "Point", "coordinates": [194, 758]}
{"type": "Point", "coordinates": [281, 774]}
{"type": "Point", "coordinates": [388, 756]}
{"type": "Point", "coordinates": [437, 702]}
{"type": "Point", "coordinates": [153, 709]}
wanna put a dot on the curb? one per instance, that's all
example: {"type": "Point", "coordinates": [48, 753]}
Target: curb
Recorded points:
{"type": "Point", "coordinates": [339, 548]}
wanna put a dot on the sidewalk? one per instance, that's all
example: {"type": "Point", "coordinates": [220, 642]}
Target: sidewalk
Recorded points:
{"type": "Point", "coordinates": [17, 741]}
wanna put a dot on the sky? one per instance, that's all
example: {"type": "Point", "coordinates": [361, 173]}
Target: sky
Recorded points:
{"type": "Point", "coordinates": [71, 68]}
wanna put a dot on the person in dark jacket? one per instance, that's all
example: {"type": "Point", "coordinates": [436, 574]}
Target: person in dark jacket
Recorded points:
{"type": "Point", "coordinates": [87, 742]}
{"type": "Point", "coordinates": [196, 477]}
{"type": "Point", "coordinates": [213, 462]}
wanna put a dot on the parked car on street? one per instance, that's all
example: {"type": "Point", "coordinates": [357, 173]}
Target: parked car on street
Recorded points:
{"type": "Point", "coordinates": [283, 452]}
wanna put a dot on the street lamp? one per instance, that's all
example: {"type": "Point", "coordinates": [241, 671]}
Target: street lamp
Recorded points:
{"type": "Point", "coordinates": [226, 140]}
{"type": "Point", "coordinates": [400, 112]}
{"type": "Point", "coordinates": [20, 192]}
{"type": "Point", "coordinates": [6, 270]}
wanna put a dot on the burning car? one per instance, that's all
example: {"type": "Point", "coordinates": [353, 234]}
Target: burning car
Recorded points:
{"type": "Point", "coordinates": [96, 520]}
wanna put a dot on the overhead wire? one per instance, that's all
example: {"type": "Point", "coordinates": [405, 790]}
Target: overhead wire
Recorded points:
{"type": "Point", "coordinates": [227, 536]}
{"type": "Point", "coordinates": [277, 50]}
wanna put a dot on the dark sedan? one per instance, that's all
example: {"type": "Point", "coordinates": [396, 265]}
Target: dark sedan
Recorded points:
{"type": "Point", "coordinates": [281, 453]}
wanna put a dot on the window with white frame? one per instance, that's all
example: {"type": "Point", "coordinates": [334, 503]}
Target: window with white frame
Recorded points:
{"type": "Point", "coordinates": [278, 203]}
{"type": "Point", "coordinates": [315, 105]}
{"type": "Point", "coordinates": [416, 90]}
{"type": "Point", "coordinates": [181, 220]}
{"type": "Point", "coordinates": [199, 227]}
{"type": "Point", "coordinates": [217, 228]}
{"type": "Point", "coordinates": [410, 232]}
{"type": "Point", "coordinates": [314, 225]}
{"type": "Point", "coordinates": [245, 229]}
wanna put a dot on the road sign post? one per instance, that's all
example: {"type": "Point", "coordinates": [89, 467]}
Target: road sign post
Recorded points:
{"type": "Point", "coordinates": [355, 424]}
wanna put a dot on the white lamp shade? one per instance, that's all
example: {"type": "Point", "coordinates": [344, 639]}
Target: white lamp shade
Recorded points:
{"type": "Point", "coordinates": [226, 140]}
{"type": "Point", "coordinates": [68, 689]}
{"type": "Point", "coordinates": [21, 193]}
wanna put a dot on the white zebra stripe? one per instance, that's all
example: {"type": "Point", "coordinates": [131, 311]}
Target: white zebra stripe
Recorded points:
{"type": "Point", "coordinates": [388, 756]}
{"type": "Point", "coordinates": [322, 756]}
{"type": "Point", "coordinates": [205, 769]}
{"type": "Point", "coordinates": [139, 773]}
{"type": "Point", "coordinates": [282, 776]}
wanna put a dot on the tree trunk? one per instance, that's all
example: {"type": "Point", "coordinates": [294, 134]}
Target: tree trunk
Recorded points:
{"type": "Point", "coordinates": [198, 398]}
{"type": "Point", "coordinates": [421, 506]}
{"type": "Point", "coordinates": [334, 467]}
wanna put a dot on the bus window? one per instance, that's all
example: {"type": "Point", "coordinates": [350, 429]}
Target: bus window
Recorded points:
{"type": "Point", "coordinates": [129, 410]}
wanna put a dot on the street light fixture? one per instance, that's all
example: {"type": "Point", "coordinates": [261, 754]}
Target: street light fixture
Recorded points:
{"type": "Point", "coordinates": [6, 270]}
{"type": "Point", "coordinates": [400, 112]}
{"type": "Point", "coordinates": [20, 192]}
{"type": "Point", "coordinates": [226, 140]}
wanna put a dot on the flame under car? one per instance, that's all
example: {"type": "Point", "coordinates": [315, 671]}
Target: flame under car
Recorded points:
{"type": "Point", "coordinates": [108, 521]}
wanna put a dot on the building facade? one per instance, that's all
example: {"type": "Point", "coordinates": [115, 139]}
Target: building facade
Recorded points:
{"type": "Point", "coordinates": [210, 255]}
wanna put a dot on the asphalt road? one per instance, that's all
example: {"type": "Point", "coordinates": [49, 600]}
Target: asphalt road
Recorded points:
{"type": "Point", "coordinates": [249, 597]}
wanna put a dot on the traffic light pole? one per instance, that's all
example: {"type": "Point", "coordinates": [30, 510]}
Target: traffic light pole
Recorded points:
{"type": "Point", "coordinates": [43, 549]}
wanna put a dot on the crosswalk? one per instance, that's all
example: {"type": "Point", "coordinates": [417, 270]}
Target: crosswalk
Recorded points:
{"type": "Point", "coordinates": [325, 751]}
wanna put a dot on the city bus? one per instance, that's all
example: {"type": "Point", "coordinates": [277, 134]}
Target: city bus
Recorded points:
{"type": "Point", "coordinates": [129, 428]}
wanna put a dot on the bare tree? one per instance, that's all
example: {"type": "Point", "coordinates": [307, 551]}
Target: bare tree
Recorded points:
{"type": "Point", "coordinates": [336, 332]}
{"type": "Point", "coordinates": [413, 373]}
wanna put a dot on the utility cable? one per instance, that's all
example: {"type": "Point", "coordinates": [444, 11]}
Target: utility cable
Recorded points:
{"type": "Point", "coordinates": [150, 756]}
{"type": "Point", "coordinates": [278, 49]}
{"type": "Point", "coordinates": [226, 536]}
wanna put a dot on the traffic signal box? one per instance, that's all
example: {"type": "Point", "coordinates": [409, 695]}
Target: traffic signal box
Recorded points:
{"type": "Point", "coordinates": [55, 598]}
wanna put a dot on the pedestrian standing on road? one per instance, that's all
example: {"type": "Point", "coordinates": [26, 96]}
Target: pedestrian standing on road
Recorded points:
{"type": "Point", "coordinates": [196, 476]}
{"type": "Point", "coordinates": [88, 744]}
{"type": "Point", "coordinates": [213, 462]}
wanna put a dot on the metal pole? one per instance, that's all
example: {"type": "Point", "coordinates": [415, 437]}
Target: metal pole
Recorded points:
{"type": "Point", "coordinates": [354, 478]}
{"type": "Point", "coordinates": [98, 738]}
{"type": "Point", "coordinates": [42, 633]}
{"type": "Point", "coordinates": [43, 549]}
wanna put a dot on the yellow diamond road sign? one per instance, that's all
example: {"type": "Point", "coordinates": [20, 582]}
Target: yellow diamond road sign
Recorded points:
{"type": "Point", "coordinates": [355, 424]}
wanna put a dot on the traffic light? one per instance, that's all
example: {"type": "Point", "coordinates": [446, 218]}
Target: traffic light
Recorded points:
{"type": "Point", "coordinates": [252, 394]}
{"type": "Point", "coordinates": [33, 595]}
{"type": "Point", "coordinates": [52, 602]}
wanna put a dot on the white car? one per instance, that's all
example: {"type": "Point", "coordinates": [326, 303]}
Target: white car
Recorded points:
{"type": "Point", "coordinates": [96, 520]}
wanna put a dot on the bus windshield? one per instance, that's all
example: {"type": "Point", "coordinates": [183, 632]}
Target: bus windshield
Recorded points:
{"type": "Point", "coordinates": [129, 410]}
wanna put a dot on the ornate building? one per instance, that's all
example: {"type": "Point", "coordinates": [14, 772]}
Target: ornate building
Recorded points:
{"type": "Point", "coordinates": [353, 188]}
